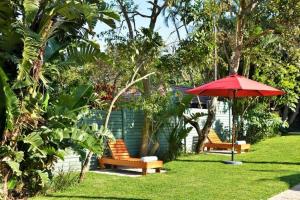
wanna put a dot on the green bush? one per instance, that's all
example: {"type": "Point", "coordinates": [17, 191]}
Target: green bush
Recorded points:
{"type": "Point", "coordinates": [261, 123]}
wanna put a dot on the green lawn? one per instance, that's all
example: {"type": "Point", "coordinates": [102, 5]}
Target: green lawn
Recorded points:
{"type": "Point", "coordinates": [272, 166]}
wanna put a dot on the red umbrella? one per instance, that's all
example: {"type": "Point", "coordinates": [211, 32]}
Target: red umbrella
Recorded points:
{"type": "Point", "coordinates": [234, 86]}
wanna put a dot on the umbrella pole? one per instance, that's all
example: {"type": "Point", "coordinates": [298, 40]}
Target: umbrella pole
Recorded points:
{"type": "Point", "coordinates": [233, 125]}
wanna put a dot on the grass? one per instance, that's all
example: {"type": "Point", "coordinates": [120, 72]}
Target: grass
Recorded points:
{"type": "Point", "coordinates": [272, 166]}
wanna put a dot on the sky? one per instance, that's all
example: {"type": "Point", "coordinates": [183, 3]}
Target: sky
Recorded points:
{"type": "Point", "coordinates": [166, 32]}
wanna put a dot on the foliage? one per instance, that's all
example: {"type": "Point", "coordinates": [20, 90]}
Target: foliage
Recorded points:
{"type": "Point", "coordinates": [41, 148]}
{"type": "Point", "coordinates": [140, 55]}
{"type": "Point", "coordinates": [269, 45]}
{"type": "Point", "coordinates": [37, 123]}
{"type": "Point", "coordinates": [262, 123]}
{"type": "Point", "coordinates": [52, 73]}
{"type": "Point", "coordinates": [171, 120]}
{"type": "Point", "coordinates": [278, 65]}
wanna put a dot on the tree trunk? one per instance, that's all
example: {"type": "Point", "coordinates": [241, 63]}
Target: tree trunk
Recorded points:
{"type": "Point", "coordinates": [155, 12]}
{"type": "Point", "coordinates": [176, 27]}
{"type": "Point", "coordinates": [245, 8]}
{"type": "Point", "coordinates": [236, 54]}
{"type": "Point", "coordinates": [124, 10]}
{"type": "Point", "coordinates": [154, 148]}
{"type": "Point", "coordinates": [200, 137]}
{"type": "Point", "coordinates": [145, 136]}
{"type": "Point", "coordinates": [202, 134]}
{"type": "Point", "coordinates": [5, 186]}
{"type": "Point", "coordinates": [146, 132]}
{"type": "Point", "coordinates": [208, 124]}
{"type": "Point", "coordinates": [84, 167]}
{"type": "Point", "coordinates": [195, 124]}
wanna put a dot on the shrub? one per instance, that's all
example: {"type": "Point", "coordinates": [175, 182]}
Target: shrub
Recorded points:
{"type": "Point", "coordinates": [261, 123]}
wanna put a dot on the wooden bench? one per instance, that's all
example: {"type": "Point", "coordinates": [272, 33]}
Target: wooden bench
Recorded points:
{"type": "Point", "coordinates": [121, 157]}
{"type": "Point", "coordinates": [214, 142]}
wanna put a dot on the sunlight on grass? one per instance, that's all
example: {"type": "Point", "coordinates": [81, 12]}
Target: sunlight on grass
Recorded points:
{"type": "Point", "coordinates": [270, 167]}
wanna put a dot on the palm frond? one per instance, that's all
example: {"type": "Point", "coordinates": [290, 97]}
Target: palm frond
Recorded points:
{"type": "Point", "coordinates": [31, 8]}
{"type": "Point", "coordinates": [82, 52]}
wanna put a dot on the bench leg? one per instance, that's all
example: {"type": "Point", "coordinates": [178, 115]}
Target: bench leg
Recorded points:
{"type": "Point", "coordinates": [144, 171]}
{"type": "Point", "coordinates": [157, 170]}
{"type": "Point", "coordinates": [102, 165]}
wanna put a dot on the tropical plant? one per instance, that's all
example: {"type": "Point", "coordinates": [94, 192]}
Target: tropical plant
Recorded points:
{"type": "Point", "coordinates": [32, 33]}
{"type": "Point", "coordinates": [175, 138]}
{"type": "Point", "coordinates": [172, 118]}
{"type": "Point", "coordinates": [62, 181]}
{"type": "Point", "coordinates": [261, 123]}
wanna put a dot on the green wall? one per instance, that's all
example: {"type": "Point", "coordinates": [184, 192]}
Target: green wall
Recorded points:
{"type": "Point", "coordinates": [128, 124]}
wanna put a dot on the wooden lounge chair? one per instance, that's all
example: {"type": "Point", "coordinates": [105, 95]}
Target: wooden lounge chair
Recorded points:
{"type": "Point", "coordinates": [214, 142]}
{"type": "Point", "coordinates": [121, 157]}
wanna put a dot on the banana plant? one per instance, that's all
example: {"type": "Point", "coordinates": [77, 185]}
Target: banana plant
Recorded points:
{"type": "Point", "coordinates": [67, 120]}
{"type": "Point", "coordinates": [32, 33]}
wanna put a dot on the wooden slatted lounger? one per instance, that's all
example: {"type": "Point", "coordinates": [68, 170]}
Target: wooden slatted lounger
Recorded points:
{"type": "Point", "coordinates": [121, 157]}
{"type": "Point", "coordinates": [214, 142]}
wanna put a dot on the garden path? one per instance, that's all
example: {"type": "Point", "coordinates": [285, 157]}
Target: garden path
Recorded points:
{"type": "Point", "coordinates": [290, 194]}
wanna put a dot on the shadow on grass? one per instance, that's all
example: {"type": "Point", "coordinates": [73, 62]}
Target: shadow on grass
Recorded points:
{"type": "Point", "coordinates": [291, 180]}
{"type": "Point", "coordinates": [91, 197]}
{"type": "Point", "coordinates": [244, 161]}
{"type": "Point", "coordinates": [272, 162]}
{"type": "Point", "coordinates": [272, 170]}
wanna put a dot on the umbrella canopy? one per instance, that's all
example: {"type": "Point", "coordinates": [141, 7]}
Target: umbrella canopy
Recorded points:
{"type": "Point", "coordinates": [235, 86]}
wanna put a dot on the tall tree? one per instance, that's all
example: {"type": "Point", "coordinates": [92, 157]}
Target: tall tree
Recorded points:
{"type": "Point", "coordinates": [244, 28]}
{"type": "Point", "coordinates": [148, 53]}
